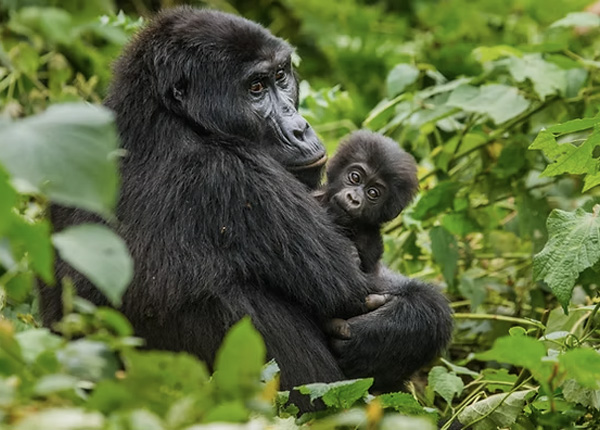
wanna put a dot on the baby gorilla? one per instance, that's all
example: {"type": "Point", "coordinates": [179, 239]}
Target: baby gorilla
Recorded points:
{"type": "Point", "coordinates": [370, 180]}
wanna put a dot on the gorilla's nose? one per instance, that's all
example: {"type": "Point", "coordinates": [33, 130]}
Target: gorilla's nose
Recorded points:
{"type": "Point", "coordinates": [353, 200]}
{"type": "Point", "coordinates": [300, 127]}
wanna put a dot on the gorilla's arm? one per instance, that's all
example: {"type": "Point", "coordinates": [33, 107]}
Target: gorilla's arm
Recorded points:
{"type": "Point", "coordinates": [395, 340]}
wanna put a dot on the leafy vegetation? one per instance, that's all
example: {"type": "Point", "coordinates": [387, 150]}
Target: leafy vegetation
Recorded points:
{"type": "Point", "coordinates": [498, 101]}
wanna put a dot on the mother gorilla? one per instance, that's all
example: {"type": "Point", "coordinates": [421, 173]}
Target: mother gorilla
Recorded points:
{"type": "Point", "coordinates": [216, 210]}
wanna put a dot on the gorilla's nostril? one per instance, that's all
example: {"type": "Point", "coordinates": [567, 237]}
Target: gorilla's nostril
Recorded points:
{"type": "Point", "coordinates": [351, 200]}
{"type": "Point", "coordinates": [298, 134]}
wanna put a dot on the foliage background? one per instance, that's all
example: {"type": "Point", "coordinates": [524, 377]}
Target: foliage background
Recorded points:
{"type": "Point", "coordinates": [497, 100]}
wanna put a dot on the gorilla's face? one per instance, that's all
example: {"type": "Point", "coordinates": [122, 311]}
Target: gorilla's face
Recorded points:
{"type": "Point", "coordinates": [228, 75]}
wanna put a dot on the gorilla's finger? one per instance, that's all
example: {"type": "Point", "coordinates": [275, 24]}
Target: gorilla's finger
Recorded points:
{"type": "Point", "coordinates": [338, 328]}
{"type": "Point", "coordinates": [373, 301]}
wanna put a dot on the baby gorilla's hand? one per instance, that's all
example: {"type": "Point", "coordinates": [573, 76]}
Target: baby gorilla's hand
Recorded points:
{"type": "Point", "coordinates": [339, 328]}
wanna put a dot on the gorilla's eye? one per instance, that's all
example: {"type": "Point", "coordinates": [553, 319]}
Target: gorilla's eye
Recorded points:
{"type": "Point", "coordinates": [256, 87]}
{"type": "Point", "coordinates": [280, 75]}
{"type": "Point", "coordinates": [373, 193]}
{"type": "Point", "coordinates": [354, 177]}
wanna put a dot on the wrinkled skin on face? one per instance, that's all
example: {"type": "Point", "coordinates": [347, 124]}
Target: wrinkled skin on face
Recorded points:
{"type": "Point", "coordinates": [256, 100]}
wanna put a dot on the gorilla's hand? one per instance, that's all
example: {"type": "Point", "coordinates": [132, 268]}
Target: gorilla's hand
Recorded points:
{"type": "Point", "coordinates": [408, 327]}
{"type": "Point", "coordinates": [339, 328]}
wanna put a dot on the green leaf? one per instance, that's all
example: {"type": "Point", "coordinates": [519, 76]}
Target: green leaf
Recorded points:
{"type": "Point", "coordinates": [88, 360]}
{"type": "Point", "coordinates": [520, 351]}
{"type": "Point", "coordinates": [547, 78]}
{"type": "Point", "coordinates": [575, 393]}
{"type": "Point", "coordinates": [485, 54]}
{"type": "Point", "coordinates": [239, 362]}
{"type": "Point", "coordinates": [445, 252]}
{"type": "Point", "coordinates": [400, 77]}
{"type": "Point", "coordinates": [499, 102]}
{"type": "Point", "coordinates": [436, 200]}
{"type": "Point", "coordinates": [61, 419]}
{"type": "Point", "coordinates": [402, 402]}
{"type": "Point", "coordinates": [497, 411]}
{"type": "Point", "coordinates": [66, 153]}
{"type": "Point", "coordinates": [11, 357]}
{"type": "Point", "coordinates": [36, 341]}
{"type": "Point", "coordinates": [99, 254]}
{"type": "Point", "coordinates": [573, 245]}
{"type": "Point", "coordinates": [33, 239]}
{"type": "Point", "coordinates": [144, 420]}
{"type": "Point", "coordinates": [25, 58]}
{"type": "Point", "coordinates": [582, 365]}
{"type": "Point", "coordinates": [578, 19]}
{"type": "Point", "coordinates": [574, 125]}
{"type": "Point", "coordinates": [8, 199]}
{"type": "Point", "coordinates": [444, 383]}
{"type": "Point", "coordinates": [173, 377]}
{"type": "Point", "coordinates": [339, 395]}
{"type": "Point", "coordinates": [498, 379]}
{"type": "Point", "coordinates": [51, 384]}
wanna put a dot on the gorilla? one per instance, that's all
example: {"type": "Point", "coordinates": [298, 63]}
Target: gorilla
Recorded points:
{"type": "Point", "coordinates": [370, 180]}
{"type": "Point", "coordinates": [215, 207]}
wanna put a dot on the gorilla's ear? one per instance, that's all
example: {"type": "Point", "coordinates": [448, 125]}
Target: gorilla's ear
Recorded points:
{"type": "Point", "coordinates": [178, 91]}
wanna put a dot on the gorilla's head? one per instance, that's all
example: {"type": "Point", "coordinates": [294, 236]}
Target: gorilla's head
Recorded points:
{"type": "Point", "coordinates": [225, 75]}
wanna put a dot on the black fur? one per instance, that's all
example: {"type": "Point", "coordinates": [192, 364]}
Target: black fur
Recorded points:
{"type": "Point", "coordinates": [219, 228]}
{"type": "Point", "coordinates": [380, 166]}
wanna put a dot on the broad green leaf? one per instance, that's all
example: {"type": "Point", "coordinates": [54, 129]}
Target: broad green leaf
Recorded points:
{"type": "Point", "coordinates": [339, 395]}
{"type": "Point", "coordinates": [8, 199]}
{"type": "Point", "coordinates": [547, 78]}
{"type": "Point", "coordinates": [34, 342]}
{"type": "Point", "coordinates": [498, 379]}
{"type": "Point", "coordinates": [503, 410]}
{"type": "Point", "coordinates": [99, 254]}
{"type": "Point", "coordinates": [399, 422]}
{"type": "Point", "coordinates": [445, 252]}
{"type": "Point", "coordinates": [474, 289]}
{"type": "Point", "coordinates": [51, 384]}
{"type": "Point", "coordinates": [575, 393]}
{"type": "Point", "coordinates": [485, 54]}
{"type": "Point", "coordinates": [19, 286]}
{"type": "Point", "coordinates": [402, 402]}
{"type": "Point", "coordinates": [569, 158]}
{"type": "Point", "coordinates": [459, 223]}
{"type": "Point", "coordinates": [400, 77]}
{"type": "Point", "coordinates": [88, 360]}
{"type": "Point", "coordinates": [575, 125]}
{"type": "Point", "coordinates": [520, 351]}
{"type": "Point", "coordinates": [141, 419]}
{"type": "Point", "coordinates": [239, 362]}
{"type": "Point", "coordinates": [67, 153]}
{"type": "Point", "coordinates": [436, 200]}
{"type": "Point", "coordinates": [24, 58]}
{"type": "Point", "coordinates": [61, 419]}
{"type": "Point", "coordinates": [172, 376]}
{"type": "Point", "coordinates": [582, 365]}
{"type": "Point", "coordinates": [573, 245]}
{"type": "Point", "coordinates": [578, 19]}
{"type": "Point", "coordinates": [33, 239]}
{"type": "Point", "coordinates": [444, 383]}
{"type": "Point", "coordinates": [11, 357]}
{"type": "Point", "coordinates": [499, 102]}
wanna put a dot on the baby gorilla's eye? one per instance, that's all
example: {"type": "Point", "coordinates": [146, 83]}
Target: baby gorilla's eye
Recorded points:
{"type": "Point", "coordinates": [256, 87]}
{"type": "Point", "coordinates": [373, 193]}
{"type": "Point", "coordinates": [354, 177]}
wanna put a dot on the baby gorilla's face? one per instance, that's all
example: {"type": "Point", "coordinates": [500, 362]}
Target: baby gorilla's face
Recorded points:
{"type": "Point", "coordinates": [358, 194]}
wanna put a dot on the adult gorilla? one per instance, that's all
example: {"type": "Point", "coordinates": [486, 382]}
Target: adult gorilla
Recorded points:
{"type": "Point", "coordinates": [206, 108]}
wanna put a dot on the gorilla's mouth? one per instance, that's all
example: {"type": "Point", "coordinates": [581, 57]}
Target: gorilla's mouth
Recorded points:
{"type": "Point", "coordinates": [319, 162]}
